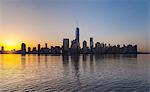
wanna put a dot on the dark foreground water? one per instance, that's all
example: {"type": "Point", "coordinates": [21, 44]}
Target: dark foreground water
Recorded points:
{"type": "Point", "coordinates": [103, 73]}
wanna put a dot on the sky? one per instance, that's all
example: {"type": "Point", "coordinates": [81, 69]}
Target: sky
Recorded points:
{"type": "Point", "coordinates": [49, 21]}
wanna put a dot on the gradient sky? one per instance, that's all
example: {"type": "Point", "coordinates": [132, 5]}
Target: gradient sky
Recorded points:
{"type": "Point", "coordinates": [39, 21]}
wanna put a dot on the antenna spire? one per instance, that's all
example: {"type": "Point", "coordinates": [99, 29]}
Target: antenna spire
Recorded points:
{"type": "Point", "coordinates": [77, 23]}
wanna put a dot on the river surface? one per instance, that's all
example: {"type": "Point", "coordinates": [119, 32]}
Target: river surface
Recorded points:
{"type": "Point", "coordinates": [84, 73]}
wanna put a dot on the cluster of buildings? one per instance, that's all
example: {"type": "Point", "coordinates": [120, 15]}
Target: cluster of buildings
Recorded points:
{"type": "Point", "coordinates": [99, 48]}
{"type": "Point", "coordinates": [39, 49]}
{"type": "Point", "coordinates": [2, 51]}
{"type": "Point", "coordinates": [74, 48]}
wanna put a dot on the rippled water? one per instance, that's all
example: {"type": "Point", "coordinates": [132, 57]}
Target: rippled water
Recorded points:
{"type": "Point", "coordinates": [103, 73]}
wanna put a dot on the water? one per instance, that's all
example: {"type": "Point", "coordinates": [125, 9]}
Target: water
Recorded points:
{"type": "Point", "coordinates": [46, 73]}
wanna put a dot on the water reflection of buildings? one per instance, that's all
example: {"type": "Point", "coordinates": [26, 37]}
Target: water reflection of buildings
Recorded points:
{"type": "Point", "coordinates": [84, 56]}
{"type": "Point", "coordinates": [89, 61]}
{"type": "Point", "coordinates": [65, 63]}
{"type": "Point", "coordinates": [65, 59]}
{"type": "Point", "coordinates": [23, 61]}
{"type": "Point", "coordinates": [91, 57]}
{"type": "Point", "coordinates": [75, 64]}
{"type": "Point", "coordinates": [129, 56]}
{"type": "Point", "coordinates": [46, 63]}
{"type": "Point", "coordinates": [41, 59]}
{"type": "Point", "coordinates": [2, 61]}
{"type": "Point", "coordinates": [115, 56]}
{"type": "Point", "coordinates": [34, 59]}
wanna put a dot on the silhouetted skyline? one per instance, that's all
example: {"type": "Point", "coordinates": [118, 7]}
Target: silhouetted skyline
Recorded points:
{"type": "Point", "coordinates": [49, 21]}
{"type": "Point", "coordinates": [75, 48]}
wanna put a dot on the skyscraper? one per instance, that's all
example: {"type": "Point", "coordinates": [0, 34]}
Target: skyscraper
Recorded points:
{"type": "Point", "coordinates": [29, 50]}
{"type": "Point", "coordinates": [65, 45]}
{"type": "Point", "coordinates": [2, 49]}
{"type": "Point", "coordinates": [75, 44]}
{"type": "Point", "coordinates": [78, 36]}
{"type": "Point", "coordinates": [23, 48]}
{"type": "Point", "coordinates": [84, 49]}
{"type": "Point", "coordinates": [45, 45]}
{"type": "Point", "coordinates": [39, 48]}
{"type": "Point", "coordinates": [91, 45]}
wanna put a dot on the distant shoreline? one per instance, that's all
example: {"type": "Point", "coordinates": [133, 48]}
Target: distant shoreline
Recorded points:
{"type": "Point", "coordinates": [74, 54]}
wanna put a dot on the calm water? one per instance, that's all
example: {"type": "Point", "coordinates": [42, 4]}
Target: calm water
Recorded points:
{"type": "Point", "coordinates": [104, 73]}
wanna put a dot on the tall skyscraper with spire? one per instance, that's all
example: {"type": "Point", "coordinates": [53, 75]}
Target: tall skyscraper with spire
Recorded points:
{"type": "Point", "coordinates": [78, 36]}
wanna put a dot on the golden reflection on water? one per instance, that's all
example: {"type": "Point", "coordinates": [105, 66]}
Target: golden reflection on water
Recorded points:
{"type": "Point", "coordinates": [15, 67]}
{"type": "Point", "coordinates": [9, 66]}
{"type": "Point", "coordinates": [9, 61]}
{"type": "Point", "coordinates": [80, 70]}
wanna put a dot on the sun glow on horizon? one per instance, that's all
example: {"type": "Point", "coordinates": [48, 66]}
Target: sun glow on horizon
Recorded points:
{"type": "Point", "coordinates": [11, 44]}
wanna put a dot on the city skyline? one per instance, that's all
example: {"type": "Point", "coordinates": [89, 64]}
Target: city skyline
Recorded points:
{"type": "Point", "coordinates": [74, 48]}
{"type": "Point", "coordinates": [49, 21]}
{"type": "Point", "coordinates": [75, 43]}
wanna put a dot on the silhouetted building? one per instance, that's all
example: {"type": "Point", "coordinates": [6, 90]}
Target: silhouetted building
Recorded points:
{"type": "Point", "coordinates": [75, 44]}
{"type": "Point", "coordinates": [55, 50]}
{"type": "Point", "coordinates": [34, 51]}
{"type": "Point", "coordinates": [84, 49]}
{"type": "Point", "coordinates": [23, 48]}
{"type": "Point", "coordinates": [131, 49]}
{"type": "Point", "coordinates": [98, 48]}
{"type": "Point", "coordinates": [29, 50]}
{"type": "Point", "coordinates": [46, 45]}
{"type": "Point", "coordinates": [45, 51]}
{"type": "Point", "coordinates": [114, 49]}
{"type": "Point", "coordinates": [91, 45]}
{"type": "Point", "coordinates": [135, 49]}
{"type": "Point", "coordinates": [65, 47]}
{"type": "Point", "coordinates": [78, 36]}
{"type": "Point", "coordinates": [118, 49]}
{"type": "Point", "coordinates": [2, 49]}
{"type": "Point", "coordinates": [39, 48]}
{"type": "Point", "coordinates": [74, 47]}
{"type": "Point", "coordinates": [52, 50]}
